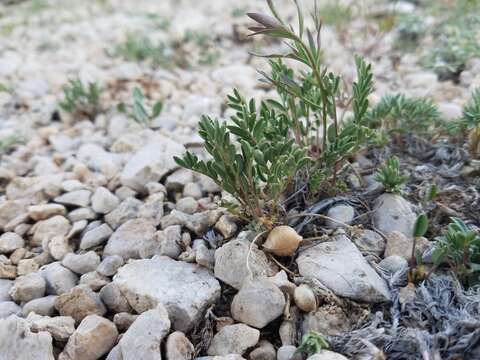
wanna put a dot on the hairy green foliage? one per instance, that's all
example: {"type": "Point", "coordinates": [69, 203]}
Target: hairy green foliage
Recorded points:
{"type": "Point", "coordinates": [257, 158]}
{"type": "Point", "coordinates": [390, 175]}
{"type": "Point", "coordinates": [138, 110]}
{"type": "Point", "coordinates": [459, 247]}
{"type": "Point", "coordinates": [312, 343]}
{"type": "Point", "coordinates": [257, 165]}
{"type": "Point", "coordinates": [396, 113]}
{"type": "Point", "coordinates": [81, 99]}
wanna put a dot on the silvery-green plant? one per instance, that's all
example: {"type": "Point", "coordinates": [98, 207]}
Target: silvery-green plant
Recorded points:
{"type": "Point", "coordinates": [138, 111]}
{"type": "Point", "coordinates": [81, 99]}
{"type": "Point", "coordinates": [391, 176]}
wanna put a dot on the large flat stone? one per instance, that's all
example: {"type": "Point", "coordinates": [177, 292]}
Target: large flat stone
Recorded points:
{"type": "Point", "coordinates": [340, 266]}
{"type": "Point", "coordinates": [186, 290]}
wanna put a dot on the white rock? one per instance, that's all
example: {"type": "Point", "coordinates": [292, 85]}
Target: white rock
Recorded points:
{"type": "Point", "coordinates": [47, 229]}
{"type": "Point", "coordinates": [19, 343]}
{"type": "Point", "coordinates": [132, 239]}
{"type": "Point", "coordinates": [60, 327]}
{"type": "Point", "coordinates": [258, 303]}
{"type": "Point", "coordinates": [58, 247]}
{"type": "Point", "coordinates": [151, 163]}
{"type": "Point", "coordinates": [151, 327]}
{"type": "Point", "coordinates": [80, 198]}
{"type": "Point", "coordinates": [81, 263]}
{"type": "Point", "coordinates": [58, 278]}
{"type": "Point", "coordinates": [103, 201]}
{"type": "Point", "coordinates": [113, 298]}
{"type": "Point", "coordinates": [5, 286]}
{"type": "Point", "coordinates": [370, 242]}
{"type": "Point", "coordinates": [340, 214]}
{"type": "Point", "coordinates": [9, 242]}
{"type": "Point", "coordinates": [44, 306]}
{"type": "Point", "coordinates": [110, 265]}
{"type": "Point", "coordinates": [231, 260]}
{"type": "Point", "coordinates": [128, 209]}
{"type": "Point", "coordinates": [449, 111]}
{"type": "Point", "coordinates": [45, 211]}
{"type": "Point", "coordinates": [96, 236]}
{"type": "Point", "coordinates": [233, 339]}
{"type": "Point", "coordinates": [94, 280]}
{"type": "Point", "coordinates": [94, 337]}
{"type": "Point", "coordinates": [8, 308]}
{"type": "Point", "coordinates": [340, 266]}
{"type": "Point", "coordinates": [393, 213]}
{"type": "Point", "coordinates": [163, 280]}
{"type": "Point", "coordinates": [28, 287]}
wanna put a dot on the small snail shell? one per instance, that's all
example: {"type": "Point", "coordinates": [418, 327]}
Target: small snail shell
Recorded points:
{"type": "Point", "coordinates": [282, 241]}
{"type": "Point", "coordinates": [305, 298]}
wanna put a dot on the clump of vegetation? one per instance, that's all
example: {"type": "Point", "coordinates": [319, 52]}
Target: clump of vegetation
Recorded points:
{"type": "Point", "coordinates": [312, 343]}
{"type": "Point", "coordinates": [257, 166]}
{"type": "Point", "coordinates": [207, 55]}
{"type": "Point", "coordinates": [391, 177]}
{"type": "Point", "coordinates": [335, 13]}
{"type": "Point", "coordinates": [416, 272]}
{"type": "Point", "coordinates": [468, 126]}
{"type": "Point", "coordinates": [138, 111]}
{"type": "Point", "coordinates": [298, 136]}
{"type": "Point", "coordinates": [459, 248]}
{"type": "Point", "coordinates": [80, 99]}
{"type": "Point", "coordinates": [455, 43]}
{"type": "Point", "coordinates": [410, 29]}
{"type": "Point", "coordinates": [8, 143]}
{"type": "Point", "coordinates": [397, 113]}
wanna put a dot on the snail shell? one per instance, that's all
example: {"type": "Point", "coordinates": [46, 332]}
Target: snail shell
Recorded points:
{"type": "Point", "coordinates": [282, 241]}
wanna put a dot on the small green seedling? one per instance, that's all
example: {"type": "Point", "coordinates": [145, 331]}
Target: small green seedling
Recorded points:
{"type": "Point", "coordinates": [138, 111]}
{"type": "Point", "coordinates": [312, 343]}
{"type": "Point", "coordinates": [391, 176]}
{"type": "Point", "coordinates": [81, 99]}
{"type": "Point", "coordinates": [459, 248]}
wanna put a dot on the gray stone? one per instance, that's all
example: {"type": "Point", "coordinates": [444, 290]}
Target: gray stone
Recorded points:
{"type": "Point", "coordinates": [28, 287]}
{"type": "Point", "coordinates": [19, 343]}
{"type": "Point", "coordinates": [58, 246]}
{"type": "Point", "coordinates": [94, 280]}
{"type": "Point", "coordinates": [60, 327]}
{"type": "Point", "coordinates": [103, 201]}
{"type": "Point", "coordinates": [233, 339]}
{"type": "Point", "coordinates": [44, 306]}
{"type": "Point", "coordinates": [258, 303]}
{"type": "Point", "coordinates": [128, 209]}
{"type": "Point", "coordinates": [188, 205]}
{"type": "Point", "coordinates": [94, 337]}
{"type": "Point", "coordinates": [264, 351]}
{"type": "Point", "coordinates": [79, 198]}
{"type": "Point", "coordinates": [113, 298]}
{"type": "Point", "coordinates": [8, 308]}
{"type": "Point", "coordinates": [151, 327]}
{"type": "Point", "coordinates": [59, 279]}
{"type": "Point", "coordinates": [226, 226]}
{"type": "Point", "coordinates": [393, 213]}
{"type": "Point", "coordinates": [7, 271]}
{"type": "Point", "coordinates": [392, 264]}
{"type": "Point", "coordinates": [151, 163]}
{"type": "Point", "coordinates": [5, 286]}
{"type": "Point", "coordinates": [163, 280]}
{"type": "Point", "coordinates": [340, 266]}
{"type": "Point", "coordinates": [178, 347]}
{"type": "Point", "coordinates": [199, 223]}
{"type": "Point", "coordinates": [401, 245]}
{"type": "Point", "coordinates": [80, 302]}
{"type": "Point", "coordinates": [45, 211]}
{"type": "Point", "coordinates": [79, 214]}
{"type": "Point", "coordinates": [9, 242]}
{"type": "Point", "coordinates": [231, 260]}
{"type": "Point", "coordinates": [110, 265]}
{"type": "Point", "coordinates": [27, 266]}
{"type": "Point", "coordinates": [288, 352]}
{"type": "Point", "coordinates": [168, 242]}
{"type": "Point", "coordinates": [328, 319]}
{"type": "Point", "coordinates": [370, 242]}
{"type": "Point", "coordinates": [178, 179]}
{"type": "Point", "coordinates": [81, 263]}
{"type": "Point", "coordinates": [152, 209]}
{"type": "Point", "coordinates": [340, 214]}
{"type": "Point", "coordinates": [132, 240]}
{"type": "Point", "coordinates": [96, 236]}
{"type": "Point", "coordinates": [193, 189]}
{"type": "Point", "coordinates": [10, 209]}
{"type": "Point", "coordinates": [205, 256]}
